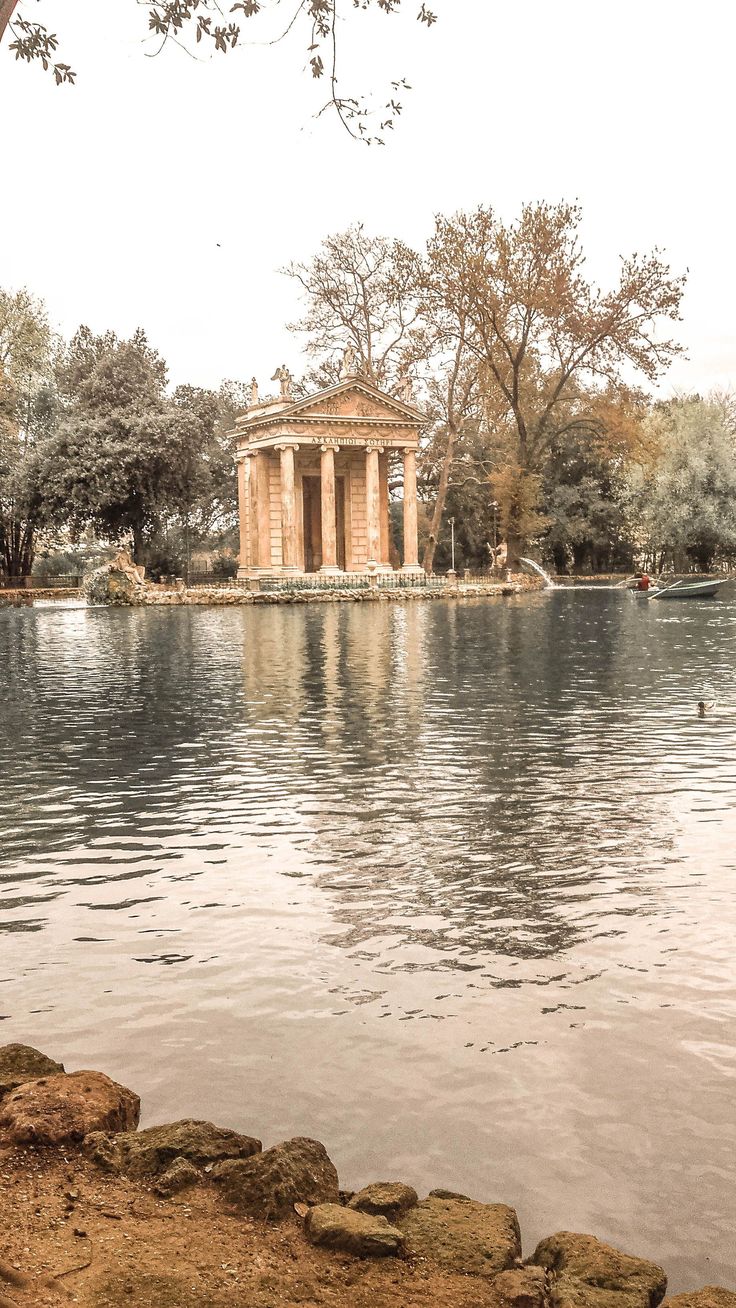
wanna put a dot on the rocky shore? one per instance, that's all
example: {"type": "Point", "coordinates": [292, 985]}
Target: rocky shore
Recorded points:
{"type": "Point", "coordinates": [189, 1214]}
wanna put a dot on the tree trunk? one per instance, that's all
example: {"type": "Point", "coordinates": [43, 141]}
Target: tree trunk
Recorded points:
{"type": "Point", "coordinates": [6, 11]}
{"type": "Point", "coordinates": [439, 506]}
{"type": "Point", "coordinates": [138, 545]}
{"type": "Point", "coordinates": [17, 548]}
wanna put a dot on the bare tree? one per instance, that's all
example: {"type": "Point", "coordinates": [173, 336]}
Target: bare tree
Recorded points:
{"type": "Point", "coordinates": [361, 292]}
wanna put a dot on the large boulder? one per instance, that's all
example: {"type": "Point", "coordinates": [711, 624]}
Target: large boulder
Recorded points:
{"type": "Point", "coordinates": [462, 1235]}
{"type": "Point", "coordinates": [21, 1063]}
{"type": "Point", "coordinates": [151, 1152]}
{"type": "Point", "coordinates": [269, 1184]}
{"type": "Point", "coordinates": [585, 1273]}
{"type": "Point", "coordinates": [711, 1296]}
{"type": "Point", "coordinates": [58, 1109]}
{"type": "Point", "coordinates": [333, 1227]}
{"type": "Point", "coordinates": [385, 1199]}
{"type": "Point", "coordinates": [121, 581]}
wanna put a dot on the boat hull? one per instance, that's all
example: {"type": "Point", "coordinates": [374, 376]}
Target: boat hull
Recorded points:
{"type": "Point", "coordinates": [696, 590]}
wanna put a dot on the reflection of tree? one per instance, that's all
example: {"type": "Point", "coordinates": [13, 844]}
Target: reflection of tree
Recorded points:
{"type": "Point", "coordinates": [488, 816]}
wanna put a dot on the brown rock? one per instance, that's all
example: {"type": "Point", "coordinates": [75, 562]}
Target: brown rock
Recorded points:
{"type": "Point", "coordinates": [520, 1287]}
{"type": "Point", "coordinates": [269, 1184]}
{"type": "Point", "coordinates": [56, 1109]}
{"type": "Point", "coordinates": [151, 1152]}
{"type": "Point", "coordinates": [589, 1274]}
{"type": "Point", "coordinates": [462, 1235]}
{"type": "Point", "coordinates": [180, 1176]}
{"type": "Point", "coordinates": [385, 1199]}
{"type": "Point", "coordinates": [21, 1063]}
{"type": "Point", "coordinates": [711, 1296]}
{"type": "Point", "coordinates": [333, 1227]}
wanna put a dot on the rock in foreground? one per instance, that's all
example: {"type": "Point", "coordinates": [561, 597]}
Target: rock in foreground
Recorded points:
{"type": "Point", "coordinates": [333, 1227]}
{"type": "Point", "coordinates": [589, 1274]}
{"type": "Point", "coordinates": [269, 1184]}
{"type": "Point", "coordinates": [711, 1296]}
{"type": "Point", "coordinates": [21, 1063]}
{"type": "Point", "coordinates": [151, 1152]}
{"type": "Point", "coordinates": [519, 1287]}
{"type": "Point", "coordinates": [462, 1235]}
{"type": "Point", "coordinates": [59, 1109]}
{"type": "Point", "coordinates": [385, 1199]}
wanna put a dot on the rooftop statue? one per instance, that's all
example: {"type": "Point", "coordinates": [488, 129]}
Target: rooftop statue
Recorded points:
{"type": "Point", "coordinates": [349, 362]}
{"type": "Point", "coordinates": [406, 389]}
{"type": "Point", "coordinates": [283, 375]}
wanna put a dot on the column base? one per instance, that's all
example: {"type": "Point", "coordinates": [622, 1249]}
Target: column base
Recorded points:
{"type": "Point", "coordinates": [415, 568]}
{"type": "Point", "coordinates": [331, 570]}
{"type": "Point", "coordinates": [378, 567]}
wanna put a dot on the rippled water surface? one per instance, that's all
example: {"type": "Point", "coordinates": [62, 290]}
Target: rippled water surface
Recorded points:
{"type": "Point", "coordinates": [449, 887]}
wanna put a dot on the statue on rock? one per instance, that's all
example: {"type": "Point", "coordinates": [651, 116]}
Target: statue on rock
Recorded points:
{"type": "Point", "coordinates": [253, 391]}
{"type": "Point", "coordinates": [121, 581]}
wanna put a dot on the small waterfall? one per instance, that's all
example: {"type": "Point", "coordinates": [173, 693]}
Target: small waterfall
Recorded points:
{"type": "Point", "coordinates": [531, 566]}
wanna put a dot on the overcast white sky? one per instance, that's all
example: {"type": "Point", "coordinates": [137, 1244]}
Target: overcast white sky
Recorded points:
{"type": "Point", "coordinates": [117, 191]}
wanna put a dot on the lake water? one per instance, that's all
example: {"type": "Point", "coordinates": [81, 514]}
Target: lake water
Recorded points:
{"type": "Point", "coordinates": [450, 887]}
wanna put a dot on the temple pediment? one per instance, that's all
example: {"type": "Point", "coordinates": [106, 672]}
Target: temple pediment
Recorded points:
{"type": "Point", "coordinates": [354, 400]}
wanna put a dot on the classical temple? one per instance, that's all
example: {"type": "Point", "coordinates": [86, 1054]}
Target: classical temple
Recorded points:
{"type": "Point", "coordinates": [313, 479]}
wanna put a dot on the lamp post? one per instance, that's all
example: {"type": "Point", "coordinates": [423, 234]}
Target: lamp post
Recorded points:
{"type": "Point", "coordinates": [452, 540]}
{"type": "Point", "coordinates": [494, 506]}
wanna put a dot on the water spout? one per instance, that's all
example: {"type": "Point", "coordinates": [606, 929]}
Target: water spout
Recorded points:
{"type": "Point", "coordinates": [531, 566]}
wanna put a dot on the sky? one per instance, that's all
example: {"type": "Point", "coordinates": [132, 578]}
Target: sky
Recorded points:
{"type": "Point", "coordinates": [167, 192]}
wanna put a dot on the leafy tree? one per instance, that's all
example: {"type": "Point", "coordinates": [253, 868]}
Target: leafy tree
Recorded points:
{"type": "Point", "coordinates": [691, 495]}
{"type": "Point", "coordinates": [124, 455]}
{"type": "Point", "coordinates": [204, 23]}
{"type": "Point", "coordinates": [26, 410]}
{"type": "Point", "coordinates": [540, 329]}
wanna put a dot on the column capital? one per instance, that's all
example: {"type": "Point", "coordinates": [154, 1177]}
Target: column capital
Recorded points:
{"type": "Point", "coordinates": [330, 445]}
{"type": "Point", "coordinates": [287, 445]}
{"type": "Point", "coordinates": [373, 447]}
{"type": "Point", "coordinates": [409, 449]}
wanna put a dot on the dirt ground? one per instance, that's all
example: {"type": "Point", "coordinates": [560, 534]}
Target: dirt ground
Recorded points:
{"type": "Point", "coordinates": [70, 1234]}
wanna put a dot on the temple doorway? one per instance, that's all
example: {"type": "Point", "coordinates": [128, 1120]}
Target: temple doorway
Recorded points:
{"type": "Point", "coordinates": [312, 519]}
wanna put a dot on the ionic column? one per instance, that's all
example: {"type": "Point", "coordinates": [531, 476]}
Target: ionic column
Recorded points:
{"type": "Point", "coordinates": [373, 504]}
{"type": "Point", "coordinates": [243, 558]}
{"type": "Point", "coordinates": [289, 555]}
{"type": "Point", "coordinates": [411, 544]}
{"type": "Point", "coordinates": [251, 482]}
{"type": "Point", "coordinates": [329, 509]}
{"type": "Point", "coordinates": [263, 493]}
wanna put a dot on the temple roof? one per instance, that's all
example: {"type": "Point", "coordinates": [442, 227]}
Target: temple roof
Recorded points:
{"type": "Point", "coordinates": [371, 405]}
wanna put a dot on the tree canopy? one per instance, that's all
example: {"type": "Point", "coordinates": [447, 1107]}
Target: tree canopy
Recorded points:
{"type": "Point", "coordinates": [205, 24]}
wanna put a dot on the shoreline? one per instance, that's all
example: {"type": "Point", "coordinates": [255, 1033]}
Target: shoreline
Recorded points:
{"type": "Point", "coordinates": [153, 596]}
{"type": "Point", "coordinates": [193, 1215]}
